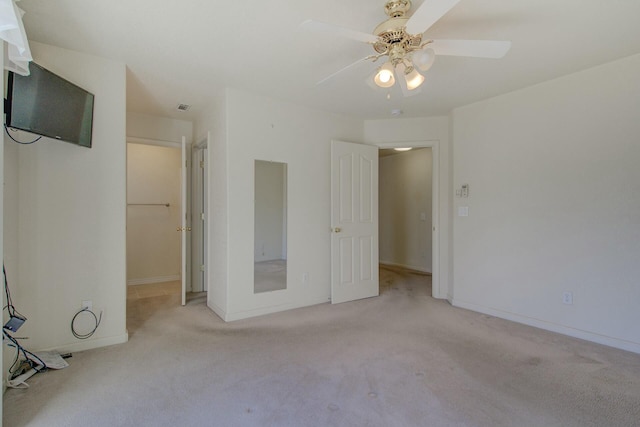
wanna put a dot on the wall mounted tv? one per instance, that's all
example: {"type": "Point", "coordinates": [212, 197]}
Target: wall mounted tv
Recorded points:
{"type": "Point", "coordinates": [48, 105]}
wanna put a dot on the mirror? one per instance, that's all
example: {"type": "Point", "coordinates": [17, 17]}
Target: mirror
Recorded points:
{"type": "Point", "coordinates": [270, 227]}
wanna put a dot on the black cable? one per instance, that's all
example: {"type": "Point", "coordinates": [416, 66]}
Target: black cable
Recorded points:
{"type": "Point", "coordinates": [88, 334]}
{"type": "Point", "coordinates": [6, 129]}
{"type": "Point", "coordinates": [15, 359]}
{"type": "Point", "coordinates": [10, 307]}
{"type": "Point", "coordinates": [28, 356]}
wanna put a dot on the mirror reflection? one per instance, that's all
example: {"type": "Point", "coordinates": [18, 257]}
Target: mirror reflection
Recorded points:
{"type": "Point", "coordinates": [270, 227]}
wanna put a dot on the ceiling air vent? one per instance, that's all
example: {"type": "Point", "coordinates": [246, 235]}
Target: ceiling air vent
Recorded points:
{"type": "Point", "coordinates": [183, 107]}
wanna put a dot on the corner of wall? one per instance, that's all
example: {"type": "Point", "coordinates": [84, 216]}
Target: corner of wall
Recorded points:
{"type": "Point", "coordinates": [4, 301]}
{"type": "Point", "coordinates": [62, 257]}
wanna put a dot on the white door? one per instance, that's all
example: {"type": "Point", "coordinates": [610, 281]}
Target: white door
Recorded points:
{"type": "Point", "coordinates": [354, 221]}
{"type": "Point", "coordinates": [199, 217]}
{"type": "Point", "coordinates": [205, 216]}
{"type": "Point", "coordinates": [197, 221]}
{"type": "Point", "coordinates": [183, 218]}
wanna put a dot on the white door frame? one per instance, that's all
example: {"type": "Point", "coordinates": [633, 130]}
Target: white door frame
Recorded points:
{"type": "Point", "coordinates": [178, 145]}
{"type": "Point", "coordinates": [436, 286]}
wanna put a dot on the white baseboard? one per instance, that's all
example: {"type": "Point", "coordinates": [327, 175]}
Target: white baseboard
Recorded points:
{"type": "Point", "coordinates": [217, 310]}
{"type": "Point", "coordinates": [407, 266]}
{"type": "Point", "coordinates": [90, 344]}
{"type": "Point", "coordinates": [239, 315]}
{"type": "Point", "coordinates": [159, 279]}
{"type": "Point", "coordinates": [553, 327]}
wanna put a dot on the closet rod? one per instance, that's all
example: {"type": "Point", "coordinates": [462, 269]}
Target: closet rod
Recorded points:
{"type": "Point", "coordinates": [149, 204]}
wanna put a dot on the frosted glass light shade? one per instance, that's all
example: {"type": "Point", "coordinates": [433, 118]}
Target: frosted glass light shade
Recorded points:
{"type": "Point", "coordinates": [424, 59]}
{"type": "Point", "coordinates": [384, 77]}
{"type": "Point", "coordinates": [413, 78]}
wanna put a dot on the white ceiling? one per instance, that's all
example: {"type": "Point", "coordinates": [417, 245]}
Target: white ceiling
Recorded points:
{"type": "Point", "coordinates": [187, 51]}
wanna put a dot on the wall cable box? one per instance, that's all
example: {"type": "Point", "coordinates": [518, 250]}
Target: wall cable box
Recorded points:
{"type": "Point", "coordinates": [14, 323]}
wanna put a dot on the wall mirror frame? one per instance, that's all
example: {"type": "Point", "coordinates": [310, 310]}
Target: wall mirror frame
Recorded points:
{"type": "Point", "coordinates": [270, 226]}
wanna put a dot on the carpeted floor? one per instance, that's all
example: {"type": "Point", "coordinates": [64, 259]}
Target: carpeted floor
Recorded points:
{"type": "Point", "coordinates": [401, 359]}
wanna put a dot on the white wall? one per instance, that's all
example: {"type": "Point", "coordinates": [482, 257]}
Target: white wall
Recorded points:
{"type": "Point", "coordinates": [406, 209]}
{"type": "Point", "coordinates": [553, 205]}
{"type": "Point", "coordinates": [153, 244]}
{"type": "Point", "coordinates": [433, 131]}
{"type": "Point", "coordinates": [267, 129]}
{"type": "Point", "coordinates": [158, 128]}
{"type": "Point", "coordinates": [10, 234]}
{"type": "Point", "coordinates": [70, 216]}
{"type": "Point", "coordinates": [4, 358]}
{"type": "Point", "coordinates": [213, 121]}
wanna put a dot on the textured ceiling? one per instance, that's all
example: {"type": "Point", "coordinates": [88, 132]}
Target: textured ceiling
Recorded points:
{"type": "Point", "coordinates": [188, 51]}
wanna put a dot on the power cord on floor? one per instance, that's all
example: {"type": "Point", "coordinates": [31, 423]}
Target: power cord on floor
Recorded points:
{"type": "Point", "coordinates": [90, 333]}
{"type": "Point", "coordinates": [30, 358]}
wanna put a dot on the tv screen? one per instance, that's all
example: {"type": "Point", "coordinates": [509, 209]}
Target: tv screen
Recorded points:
{"type": "Point", "coordinates": [48, 105]}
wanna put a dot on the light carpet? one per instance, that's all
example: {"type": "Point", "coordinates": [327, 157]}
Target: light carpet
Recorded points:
{"type": "Point", "coordinates": [401, 359]}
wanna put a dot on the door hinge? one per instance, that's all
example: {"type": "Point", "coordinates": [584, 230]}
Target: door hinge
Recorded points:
{"type": "Point", "coordinates": [202, 216]}
{"type": "Point", "coordinates": [201, 164]}
{"type": "Point", "coordinates": [202, 267]}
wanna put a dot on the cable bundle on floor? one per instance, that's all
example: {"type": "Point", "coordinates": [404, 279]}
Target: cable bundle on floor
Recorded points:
{"type": "Point", "coordinates": [31, 364]}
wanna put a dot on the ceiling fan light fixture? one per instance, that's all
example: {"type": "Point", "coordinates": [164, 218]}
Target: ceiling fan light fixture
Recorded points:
{"type": "Point", "coordinates": [423, 59]}
{"type": "Point", "coordinates": [403, 148]}
{"type": "Point", "coordinates": [384, 77]}
{"type": "Point", "coordinates": [413, 78]}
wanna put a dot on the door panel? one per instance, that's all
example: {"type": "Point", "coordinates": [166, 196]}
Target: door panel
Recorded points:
{"type": "Point", "coordinates": [354, 221]}
{"type": "Point", "coordinates": [198, 172]}
{"type": "Point", "coordinates": [366, 254]}
{"type": "Point", "coordinates": [183, 218]}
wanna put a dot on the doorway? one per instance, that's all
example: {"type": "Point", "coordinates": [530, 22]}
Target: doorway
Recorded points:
{"type": "Point", "coordinates": [154, 224]}
{"type": "Point", "coordinates": [411, 202]}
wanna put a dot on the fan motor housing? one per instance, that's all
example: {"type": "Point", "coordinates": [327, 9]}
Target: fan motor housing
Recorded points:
{"type": "Point", "coordinates": [392, 32]}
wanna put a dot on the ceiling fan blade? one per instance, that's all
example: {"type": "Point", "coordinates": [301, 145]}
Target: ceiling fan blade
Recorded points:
{"type": "Point", "coordinates": [474, 48]}
{"type": "Point", "coordinates": [427, 14]}
{"type": "Point", "coordinates": [323, 27]}
{"type": "Point", "coordinates": [343, 69]}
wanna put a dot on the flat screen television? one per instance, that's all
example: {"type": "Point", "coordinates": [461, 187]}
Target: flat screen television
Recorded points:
{"type": "Point", "coordinates": [46, 104]}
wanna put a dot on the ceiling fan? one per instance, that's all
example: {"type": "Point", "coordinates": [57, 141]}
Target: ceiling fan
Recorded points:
{"type": "Point", "coordinates": [400, 41]}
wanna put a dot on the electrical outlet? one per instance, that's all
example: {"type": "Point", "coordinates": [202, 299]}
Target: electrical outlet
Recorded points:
{"type": "Point", "coordinates": [567, 298]}
{"type": "Point", "coordinates": [88, 304]}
